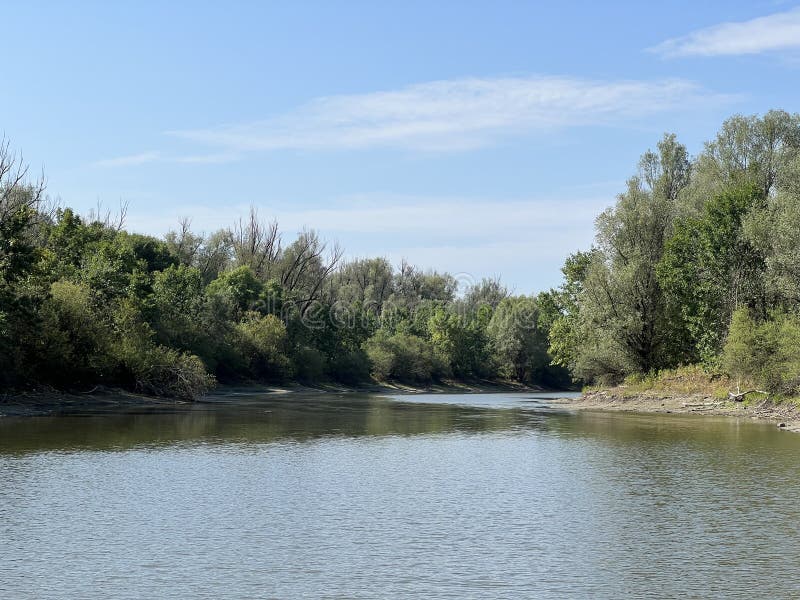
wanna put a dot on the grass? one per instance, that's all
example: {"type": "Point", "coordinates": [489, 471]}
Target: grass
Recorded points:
{"type": "Point", "coordinates": [682, 381]}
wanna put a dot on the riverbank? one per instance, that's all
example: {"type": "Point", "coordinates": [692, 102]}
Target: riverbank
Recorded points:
{"type": "Point", "coordinates": [786, 415]}
{"type": "Point", "coordinates": [46, 401]}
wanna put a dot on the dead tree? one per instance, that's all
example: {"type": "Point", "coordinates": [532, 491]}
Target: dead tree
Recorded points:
{"type": "Point", "coordinates": [256, 244]}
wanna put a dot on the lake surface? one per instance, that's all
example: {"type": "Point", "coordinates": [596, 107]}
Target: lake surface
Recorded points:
{"type": "Point", "coordinates": [357, 496]}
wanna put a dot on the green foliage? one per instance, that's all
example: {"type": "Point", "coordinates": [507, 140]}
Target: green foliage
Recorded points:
{"type": "Point", "coordinates": [518, 332]}
{"type": "Point", "coordinates": [461, 344]}
{"type": "Point", "coordinates": [241, 285]}
{"type": "Point", "coordinates": [74, 341]}
{"type": "Point", "coordinates": [149, 367]}
{"type": "Point", "coordinates": [262, 342]}
{"type": "Point", "coordinates": [350, 367]}
{"type": "Point", "coordinates": [402, 357]}
{"type": "Point", "coordinates": [710, 269]}
{"type": "Point", "coordinates": [169, 373]}
{"type": "Point", "coordinates": [616, 320]}
{"type": "Point", "coordinates": [687, 252]}
{"type": "Point", "coordinates": [176, 304]}
{"type": "Point", "coordinates": [766, 353]}
{"type": "Point", "coordinates": [309, 364]}
{"type": "Point", "coordinates": [697, 260]}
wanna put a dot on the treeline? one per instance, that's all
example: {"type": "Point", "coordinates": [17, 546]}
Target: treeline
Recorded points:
{"type": "Point", "coordinates": [698, 262]}
{"type": "Point", "coordinates": [85, 303]}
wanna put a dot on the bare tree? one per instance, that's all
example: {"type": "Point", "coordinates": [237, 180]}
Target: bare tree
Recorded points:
{"type": "Point", "coordinates": [107, 218]}
{"type": "Point", "coordinates": [305, 270]}
{"type": "Point", "coordinates": [256, 244]}
{"type": "Point", "coordinates": [183, 243]}
{"type": "Point", "coordinates": [16, 190]}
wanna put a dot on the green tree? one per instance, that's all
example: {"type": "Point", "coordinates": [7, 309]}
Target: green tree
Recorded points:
{"type": "Point", "coordinates": [710, 269]}
{"type": "Point", "coordinates": [520, 346]}
{"type": "Point", "coordinates": [240, 285]}
{"type": "Point", "coordinates": [622, 323]}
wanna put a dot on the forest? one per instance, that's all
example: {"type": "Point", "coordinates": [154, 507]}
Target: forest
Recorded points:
{"type": "Point", "coordinates": [85, 303]}
{"type": "Point", "coordinates": [696, 263]}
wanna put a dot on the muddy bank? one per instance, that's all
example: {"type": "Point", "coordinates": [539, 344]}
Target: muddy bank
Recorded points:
{"type": "Point", "coordinates": [786, 415]}
{"type": "Point", "coordinates": [52, 402]}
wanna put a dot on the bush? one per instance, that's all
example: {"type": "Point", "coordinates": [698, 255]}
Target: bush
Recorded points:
{"type": "Point", "coordinates": [151, 368]}
{"type": "Point", "coordinates": [262, 342]}
{"type": "Point", "coordinates": [166, 372]}
{"type": "Point", "coordinates": [764, 354]}
{"type": "Point", "coordinates": [402, 357]}
{"type": "Point", "coordinates": [309, 364]}
{"type": "Point", "coordinates": [350, 367]}
{"type": "Point", "coordinates": [74, 338]}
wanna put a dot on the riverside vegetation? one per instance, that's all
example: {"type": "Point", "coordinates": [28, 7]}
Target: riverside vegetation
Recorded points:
{"type": "Point", "coordinates": [695, 269]}
{"type": "Point", "coordinates": [84, 303]}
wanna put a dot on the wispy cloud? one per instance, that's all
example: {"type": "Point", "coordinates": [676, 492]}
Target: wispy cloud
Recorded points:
{"type": "Point", "coordinates": [459, 114]}
{"type": "Point", "coordinates": [779, 31]}
{"type": "Point", "coordinates": [126, 161]}
{"type": "Point", "coordinates": [151, 157]}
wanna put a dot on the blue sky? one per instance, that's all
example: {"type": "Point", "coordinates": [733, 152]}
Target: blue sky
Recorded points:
{"type": "Point", "coordinates": [476, 137]}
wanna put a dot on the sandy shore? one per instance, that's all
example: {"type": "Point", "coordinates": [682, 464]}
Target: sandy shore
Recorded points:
{"type": "Point", "coordinates": [53, 402]}
{"type": "Point", "coordinates": [784, 415]}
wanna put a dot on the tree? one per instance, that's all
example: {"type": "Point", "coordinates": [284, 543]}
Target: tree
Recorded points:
{"type": "Point", "coordinates": [710, 270]}
{"type": "Point", "coordinates": [487, 292]}
{"type": "Point", "coordinates": [622, 323]}
{"type": "Point", "coordinates": [519, 345]}
{"type": "Point", "coordinates": [765, 353]}
{"type": "Point", "coordinates": [178, 303]}
{"type": "Point", "coordinates": [256, 245]}
{"type": "Point", "coordinates": [369, 282]}
{"type": "Point", "coordinates": [240, 285]}
{"type": "Point", "coordinates": [461, 341]}
{"type": "Point", "coordinates": [761, 152]}
{"type": "Point", "coordinates": [304, 269]}
{"type": "Point", "coordinates": [19, 218]}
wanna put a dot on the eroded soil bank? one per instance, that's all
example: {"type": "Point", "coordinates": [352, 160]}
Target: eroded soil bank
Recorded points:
{"type": "Point", "coordinates": [785, 415]}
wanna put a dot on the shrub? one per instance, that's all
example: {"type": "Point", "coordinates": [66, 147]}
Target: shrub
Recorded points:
{"type": "Point", "coordinates": [74, 338]}
{"type": "Point", "coordinates": [766, 354]}
{"type": "Point", "coordinates": [151, 368]}
{"type": "Point", "coordinates": [262, 342]}
{"type": "Point", "coordinates": [350, 367]}
{"type": "Point", "coordinates": [403, 357]}
{"type": "Point", "coordinates": [166, 372]}
{"type": "Point", "coordinates": [309, 364]}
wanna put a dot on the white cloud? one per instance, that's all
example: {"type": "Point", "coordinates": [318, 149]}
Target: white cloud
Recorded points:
{"type": "Point", "coordinates": [456, 114]}
{"type": "Point", "coordinates": [779, 31]}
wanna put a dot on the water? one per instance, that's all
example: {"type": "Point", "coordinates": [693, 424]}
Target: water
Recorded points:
{"type": "Point", "coordinates": [460, 496]}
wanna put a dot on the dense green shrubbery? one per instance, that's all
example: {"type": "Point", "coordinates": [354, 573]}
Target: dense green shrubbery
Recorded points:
{"type": "Point", "coordinates": [403, 356]}
{"type": "Point", "coordinates": [765, 354]}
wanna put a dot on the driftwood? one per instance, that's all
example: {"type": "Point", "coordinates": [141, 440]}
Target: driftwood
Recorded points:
{"type": "Point", "coordinates": [703, 406]}
{"type": "Point", "coordinates": [739, 396]}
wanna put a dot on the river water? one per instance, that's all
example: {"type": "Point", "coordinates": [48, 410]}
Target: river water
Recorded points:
{"type": "Point", "coordinates": [359, 496]}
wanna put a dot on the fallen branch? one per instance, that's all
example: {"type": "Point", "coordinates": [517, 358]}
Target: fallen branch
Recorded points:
{"type": "Point", "coordinates": [739, 396]}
